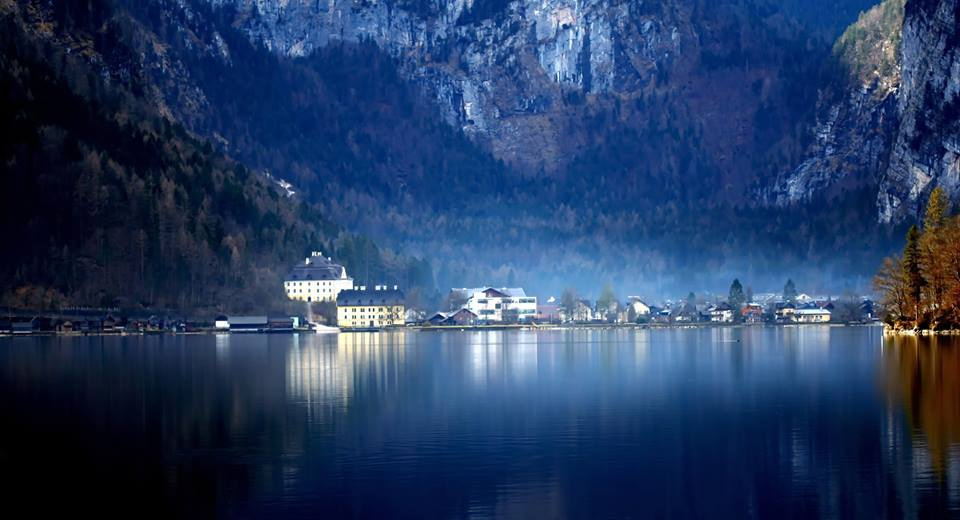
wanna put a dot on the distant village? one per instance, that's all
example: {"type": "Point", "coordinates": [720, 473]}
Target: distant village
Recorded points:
{"type": "Point", "coordinates": [319, 279]}
{"type": "Point", "coordinates": [334, 303]}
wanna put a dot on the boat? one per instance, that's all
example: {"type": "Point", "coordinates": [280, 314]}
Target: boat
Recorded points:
{"type": "Point", "coordinates": [323, 329]}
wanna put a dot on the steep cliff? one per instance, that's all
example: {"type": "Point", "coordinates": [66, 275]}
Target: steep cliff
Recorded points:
{"type": "Point", "coordinates": [896, 124]}
{"type": "Point", "coordinates": [555, 141]}
{"type": "Point", "coordinates": [926, 152]}
{"type": "Point", "coordinates": [857, 113]}
{"type": "Point", "coordinates": [540, 83]}
{"type": "Point", "coordinates": [498, 69]}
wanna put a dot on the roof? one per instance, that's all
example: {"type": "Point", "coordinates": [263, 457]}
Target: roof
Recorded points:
{"type": "Point", "coordinates": [513, 292]}
{"type": "Point", "coordinates": [247, 320]}
{"type": "Point", "coordinates": [812, 311]}
{"type": "Point", "coordinates": [317, 268]}
{"type": "Point", "coordinates": [355, 297]}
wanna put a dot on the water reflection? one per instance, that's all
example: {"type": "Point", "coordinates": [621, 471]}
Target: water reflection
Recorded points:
{"type": "Point", "coordinates": [682, 423]}
{"type": "Point", "coordinates": [922, 378]}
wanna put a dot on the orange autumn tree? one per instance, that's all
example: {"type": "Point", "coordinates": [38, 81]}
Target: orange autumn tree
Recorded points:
{"type": "Point", "coordinates": [920, 289]}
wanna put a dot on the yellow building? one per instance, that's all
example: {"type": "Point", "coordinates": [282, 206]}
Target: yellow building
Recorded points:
{"type": "Point", "coordinates": [360, 308]}
{"type": "Point", "coordinates": [317, 279]}
{"type": "Point", "coordinates": [811, 316]}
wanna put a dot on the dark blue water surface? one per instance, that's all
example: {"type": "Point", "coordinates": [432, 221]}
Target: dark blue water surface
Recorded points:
{"type": "Point", "coordinates": [804, 422]}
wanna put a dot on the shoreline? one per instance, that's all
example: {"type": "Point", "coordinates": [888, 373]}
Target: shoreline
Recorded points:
{"type": "Point", "coordinates": [466, 328]}
{"type": "Point", "coordinates": [891, 331]}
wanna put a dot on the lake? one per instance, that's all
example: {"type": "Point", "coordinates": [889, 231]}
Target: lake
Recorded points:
{"type": "Point", "coordinates": [803, 421]}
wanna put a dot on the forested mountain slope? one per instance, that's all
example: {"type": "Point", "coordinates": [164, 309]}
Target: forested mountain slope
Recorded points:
{"type": "Point", "coordinates": [653, 145]}
{"type": "Point", "coordinates": [107, 202]}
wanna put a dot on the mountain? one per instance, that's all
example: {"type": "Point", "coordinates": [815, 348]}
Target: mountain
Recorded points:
{"type": "Point", "coordinates": [108, 203]}
{"type": "Point", "coordinates": [857, 115]}
{"type": "Point", "coordinates": [895, 127]}
{"type": "Point", "coordinates": [540, 85]}
{"type": "Point", "coordinates": [826, 18]}
{"type": "Point", "coordinates": [661, 146]}
{"type": "Point", "coordinates": [926, 152]}
{"type": "Point", "coordinates": [498, 142]}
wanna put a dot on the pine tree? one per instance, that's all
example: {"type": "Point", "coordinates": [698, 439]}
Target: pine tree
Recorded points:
{"type": "Point", "coordinates": [790, 292]}
{"type": "Point", "coordinates": [937, 208]}
{"type": "Point", "coordinates": [736, 298]}
{"type": "Point", "coordinates": [607, 298]}
{"type": "Point", "coordinates": [913, 275]}
{"type": "Point", "coordinates": [568, 302]}
{"type": "Point", "coordinates": [933, 249]}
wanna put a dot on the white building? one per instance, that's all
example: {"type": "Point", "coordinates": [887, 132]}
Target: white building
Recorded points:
{"type": "Point", "coordinates": [317, 279]}
{"type": "Point", "coordinates": [811, 316]}
{"type": "Point", "coordinates": [721, 314]}
{"type": "Point", "coordinates": [499, 304]}
{"type": "Point", "coordinates": [638, 307]}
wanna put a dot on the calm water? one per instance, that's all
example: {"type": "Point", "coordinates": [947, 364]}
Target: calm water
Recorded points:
{"type": "Point", "coordinates": [792, 422]}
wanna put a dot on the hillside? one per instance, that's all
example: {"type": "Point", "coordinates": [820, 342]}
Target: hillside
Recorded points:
{"type": "Point", "coordinates": [857, 114]}
{"type": "Point", "coordinates": [661, 147]}
{"type": "Point", "coordinates": [108, 203]}
{"type": "Point", "coordinates": [892, 125]}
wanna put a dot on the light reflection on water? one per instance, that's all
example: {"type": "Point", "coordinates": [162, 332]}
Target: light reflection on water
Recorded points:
{"type": "Point", "coordinates": [793, 421]}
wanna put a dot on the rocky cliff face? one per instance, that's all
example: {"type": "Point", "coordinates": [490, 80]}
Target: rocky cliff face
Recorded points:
{"type": "Point", "coordinates": [898, 126]}
{"type": "Point", "coordinates": [498, 69]}
{"type": "Point", "coordinates": [857, 113]}
{"type": "Point", "coordinates": [926, 152]}
{"type": "Point", "coordinates": [526, 78]}
{"type": "Point", "coordinates": [644, 125]}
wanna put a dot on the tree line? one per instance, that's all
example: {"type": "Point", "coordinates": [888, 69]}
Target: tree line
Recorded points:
{"type": "Point", "coordinates": [108, 203]}
{"type": "Point", "coordinates": [920, 288]}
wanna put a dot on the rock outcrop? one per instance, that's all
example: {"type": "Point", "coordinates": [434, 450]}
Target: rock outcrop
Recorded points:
{"type": "Point", "coordinates": [498, 70]}
{"type": "Point", "coordinates": [926, 152]}
{"type": "Point", "coordinates": [857, 114]}
{"type": "Point", "coordinates": [897, 127]}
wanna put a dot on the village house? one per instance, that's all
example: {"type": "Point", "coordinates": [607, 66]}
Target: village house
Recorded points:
{"type": "Point", "coordinates": [248, 323]}
{"type": "Point", "coordinates": [638, 306]}
{"type": "Point", "coordinates": [24, 325]}
{"type": "Point", "coordinates": [752, 313]}
{"type": "Point", "coordinates": [722, 313]}
{"type": "Point", "coordinates": [413, 316]}
{"type": "Point", "coordinates": [663, 315]}
{"type": "Point", "coordinates": [317, 279]}
{"type": "Point", "coordinates": [606, 313]}
{"type": "Point", "coordinates": [784, 311]}
{"type": "Point", "coordinates": [583, 312]}
{"type": "Point", "coordinates": [462, 317]}
{"type": "Point", "coordinates": [437, 318]}
{"type": "Point", "coordinates": [813, 315]}
{"type": "Point", "coordinates": [360, 308]}
{"type": "Point", "coordinates": [222, 323]}
{"type": "Point", "coordinates": [505, 304]}
{"type": "Point", "coordinates": [549, 312]}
